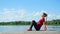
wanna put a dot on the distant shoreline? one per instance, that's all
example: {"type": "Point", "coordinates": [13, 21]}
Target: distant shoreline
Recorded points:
{"type": "Point", "coordinates": [52, 22]}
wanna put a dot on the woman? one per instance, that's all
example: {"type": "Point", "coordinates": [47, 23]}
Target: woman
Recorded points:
{"type": "Point", "coordinates": [39, 24]}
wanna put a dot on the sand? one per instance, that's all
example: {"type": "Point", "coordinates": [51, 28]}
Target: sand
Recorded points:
{"type": "Point", "coordinates": [32, 32]}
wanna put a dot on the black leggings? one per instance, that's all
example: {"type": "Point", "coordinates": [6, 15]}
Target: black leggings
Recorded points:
{"type": "Point", "coordinates": [35, 25]}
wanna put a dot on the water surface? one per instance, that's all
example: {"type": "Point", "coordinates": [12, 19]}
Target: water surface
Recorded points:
{"type": "Point", "coordinates": [25, 27]}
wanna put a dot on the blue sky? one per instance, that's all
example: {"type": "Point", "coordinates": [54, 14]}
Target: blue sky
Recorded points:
{"type": "Point", "coordinates": [27, 10]}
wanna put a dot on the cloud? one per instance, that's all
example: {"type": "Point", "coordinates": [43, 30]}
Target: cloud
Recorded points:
{"type": "Point", "coordinates": [49, 17]}
{"type": "Point", "coordinates": [57, 17]}
{"type": "Point", "coordinates": [17, 15]}
{"type": "Point", "coordinates": [53, 16]}
{"type": "Point", "coordinates": [23, 15]}
{"type": "Point", "coordinates": [12, 14]}
{"type": "Point", "coordinates": [37, 14]}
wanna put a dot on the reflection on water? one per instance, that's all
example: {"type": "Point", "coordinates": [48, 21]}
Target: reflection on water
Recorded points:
{"type": "Point", "coordinates": [24, 28]}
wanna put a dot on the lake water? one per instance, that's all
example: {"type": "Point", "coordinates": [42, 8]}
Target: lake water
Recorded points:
{"type": "Point", "coordinates": [24, 28]}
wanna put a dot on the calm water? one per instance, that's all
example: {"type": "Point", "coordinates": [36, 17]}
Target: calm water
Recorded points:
{"type": "Point", "coordinates": [24, 28]}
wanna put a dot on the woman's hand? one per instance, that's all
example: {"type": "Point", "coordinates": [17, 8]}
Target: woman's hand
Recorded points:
{"type": "Point", "coordinates": [45, 28]}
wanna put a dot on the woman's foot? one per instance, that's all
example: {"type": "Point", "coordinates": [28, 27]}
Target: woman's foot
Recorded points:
{"type": "Point", "coordinates": [29, 29]}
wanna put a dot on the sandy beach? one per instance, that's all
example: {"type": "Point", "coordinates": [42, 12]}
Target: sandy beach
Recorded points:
{"type": "Point", "coordinates": [32, 32]}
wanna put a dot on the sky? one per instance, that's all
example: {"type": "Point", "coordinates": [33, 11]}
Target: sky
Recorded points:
{"type": "Point", "coordinates": [28, 10]}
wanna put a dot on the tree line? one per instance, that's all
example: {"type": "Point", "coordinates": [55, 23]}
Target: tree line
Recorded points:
{"type": "Point", "coordinates": [16, 23]}
{"type": "Point", "coordinates": [52, 22]}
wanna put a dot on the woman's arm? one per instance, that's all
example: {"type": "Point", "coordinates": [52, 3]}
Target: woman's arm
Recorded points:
{"type": "Point", "coordinates": [44, 26]}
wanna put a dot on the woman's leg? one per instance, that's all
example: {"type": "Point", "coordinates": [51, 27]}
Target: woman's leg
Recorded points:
{"type": "Point", "coordinates": [35, 25]}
